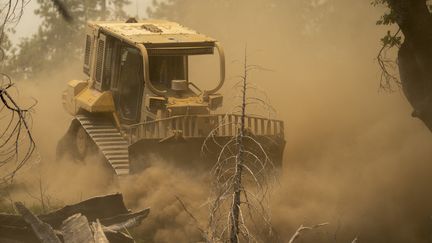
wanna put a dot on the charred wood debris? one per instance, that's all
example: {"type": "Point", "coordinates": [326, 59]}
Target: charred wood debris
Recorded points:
{"type": "Point", "coordinates": [103, 219]}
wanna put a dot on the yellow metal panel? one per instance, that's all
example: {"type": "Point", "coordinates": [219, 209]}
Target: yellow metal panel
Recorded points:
{"type": "Point", "coordinates": [95, 101]}
{"type": "Point", "coordinates": [74, 87]}
{"type": "Point", "coordinates": [153, 31]}
{"type": "Point", "coordinates": [77, 85]}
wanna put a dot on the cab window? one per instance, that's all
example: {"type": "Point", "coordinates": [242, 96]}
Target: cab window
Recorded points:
{"type": "Point", "coordinates": [164, 69]}
{"type": "Point", "coordinates": [130, 84]}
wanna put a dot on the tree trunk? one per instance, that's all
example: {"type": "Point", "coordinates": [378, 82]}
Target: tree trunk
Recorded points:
{"type": "Point", "coordinates": [415, 55]}
{"type": "Point", "coordinates": [235, 208]}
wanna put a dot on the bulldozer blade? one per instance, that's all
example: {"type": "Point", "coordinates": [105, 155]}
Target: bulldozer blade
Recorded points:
{"type": "Point", "coordinates": [199, 153]}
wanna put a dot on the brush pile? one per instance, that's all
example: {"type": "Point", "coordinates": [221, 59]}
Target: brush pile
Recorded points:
{"type": "Point", "coordinates": [103, 219]}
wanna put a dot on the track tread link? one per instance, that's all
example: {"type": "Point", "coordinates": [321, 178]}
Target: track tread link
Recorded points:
{"type": "Point", "coordinates": [109, 141]}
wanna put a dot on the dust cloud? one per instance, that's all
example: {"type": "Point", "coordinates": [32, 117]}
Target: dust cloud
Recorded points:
{"type": "Point", "coordinates": [354, 157]}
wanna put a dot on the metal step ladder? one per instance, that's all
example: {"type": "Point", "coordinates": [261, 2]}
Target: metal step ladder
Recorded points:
{"type": "Point", "coordinates": [109, 140]}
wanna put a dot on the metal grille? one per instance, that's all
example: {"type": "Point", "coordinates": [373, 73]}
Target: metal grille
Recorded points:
{"type": "Point", "coordinates": [107, 65]}
{"type": "Point", "coordinates": [87, 50]}
{"type": "Point", "coordinates": [99, 61]}
{"type": "Point", "coordinates": [180, 51]}
{"type": "Point", "coordinates": [87, 55]}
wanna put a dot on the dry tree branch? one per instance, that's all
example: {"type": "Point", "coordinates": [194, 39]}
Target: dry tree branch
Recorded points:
{"type": "Point", "coordinates": [386, 64]}
{"type": "Point", "coordinates": [304, 228]}
{"type": "Point", "coordinates": [197, 224]}
{"type": "Point", "coordinates": [17, 131]}
{"type": "Point", "coordinates": [16, 141]}
{"type": "Point", "coordinates": [10, 14]}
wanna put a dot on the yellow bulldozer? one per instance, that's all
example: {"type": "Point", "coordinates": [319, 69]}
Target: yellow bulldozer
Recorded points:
{"type": "Point", "coordinates": [138, 103]}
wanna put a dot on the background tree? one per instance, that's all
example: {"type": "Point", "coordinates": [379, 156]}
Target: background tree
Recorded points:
{"type": "Point", "coordinates": [58, 42]}
{"type": "Point", "coordinates": [16, 141]}
{"type": "Point", "coordinates": [413, 40]}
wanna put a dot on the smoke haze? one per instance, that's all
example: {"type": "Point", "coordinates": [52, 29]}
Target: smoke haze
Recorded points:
{"type": "Point", "coordinates": [354, 157]}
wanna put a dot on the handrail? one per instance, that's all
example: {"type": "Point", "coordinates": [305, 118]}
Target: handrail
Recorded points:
{"type": "Point", "coordinates": [195, 126]}
{"type": "Point", "coordinates": [180, 116]}
{"type": "Point", "coordinates": [156, 91]}
{"type": "Point", "coordinates": [147, 73]}
{"type": "Point", "coordinates": [221, 70]}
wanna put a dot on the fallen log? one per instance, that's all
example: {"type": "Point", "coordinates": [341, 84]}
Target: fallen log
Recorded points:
{"type": "Point", "coordinates": [18, 234]}
{"type": "Point", "coordinates": [99, 235]}
{"type": "Point", "coordinates": [125, 220]}
{"type": "Point", "coordinates": [96, 220]}
{"type": "Point", "coordinates": [43, 231]}
{"type": "Point", "coordinates": [94, 208]}
{"type": "Point", "coordinates": [76, 229]}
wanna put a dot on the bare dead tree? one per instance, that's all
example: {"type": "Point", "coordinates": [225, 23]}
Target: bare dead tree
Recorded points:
{"type": "Point", "coordinates": [16, 141]}
{"type": "Point", "coordinates": [242, 175]}
{"type": "Point", "coordinates": [10, 13]}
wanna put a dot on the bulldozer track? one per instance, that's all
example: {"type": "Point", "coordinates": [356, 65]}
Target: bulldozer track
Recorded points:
{"type": "Point", "coordinates": [109, 141]}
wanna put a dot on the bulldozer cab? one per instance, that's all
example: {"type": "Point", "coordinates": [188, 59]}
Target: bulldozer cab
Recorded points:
{"type": "Point", "coordinates": [139, 101]}
{"type": "Point", "coordinates": [145, 67]}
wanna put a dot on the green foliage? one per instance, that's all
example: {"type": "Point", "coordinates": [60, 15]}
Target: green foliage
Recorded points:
{"type": "Point", "coordinates": [387, 18]}
{"type": "Point", "coordinates": [58, 42]}
{"type": "Point", "coordinates": [378, 2]}
{"type": "Point", "coordinates": [391, 40]}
